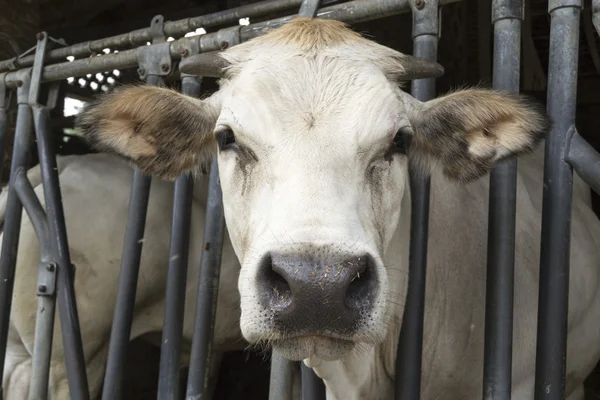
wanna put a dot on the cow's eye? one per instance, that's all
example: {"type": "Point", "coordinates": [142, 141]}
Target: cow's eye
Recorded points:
{"type": "Point", "coordinates": [225, 139]}
{"type": "Point", "coordinates": [399, 144]}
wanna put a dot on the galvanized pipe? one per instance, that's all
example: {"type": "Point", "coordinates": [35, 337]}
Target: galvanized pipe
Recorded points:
{"type": "Point", "coordinates": [280, 384]}
{"type": "Point", "coordinates": [127, 286]}
{"type": "Point", "coordinates": [596, 14]}
{"type": "Point", "coordinates": [410, 345]}
{"type": "Point", "coordinates": [351, 12]}
{"type": "Point", "coordinates": [557, 202]}
{"type": "Point", "coordinates": [3, 121]}
{"type": "Point", "coordinates": [313, 387]}
{"type": "Point", "coordinates": [12, 222]}
{"type": "Point", "coordinates": [585, 160]}
{"type": "Point", "coordinates": [170, 356]}
{"type": "Point", "coordinates": [67, 303]}
{"type": "Point", "coordinates": [208, 289]}
{"type": "Point", "coordinates": [497, 365]}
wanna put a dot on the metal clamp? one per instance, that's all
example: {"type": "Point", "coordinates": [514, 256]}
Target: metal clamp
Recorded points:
{"type": "Point", "coordinates": [36, 74]}
{"type": "Point", "coordinates": [155, 60]}
{"type": "Point", "coordinates": [423, 22]}
{"type": "Point", "coordinates": [515, 9]}
{"type": "Point", "coordinates": [157, 29]}
{"type": "Point", "coordinates": [46, 279]}
{"type": "Point", "coordinates": [224, 39]}
{"type": "Point", "coordinates": [554, 4]}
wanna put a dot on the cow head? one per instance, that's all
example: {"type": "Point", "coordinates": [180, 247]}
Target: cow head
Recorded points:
{"type": "Point", "coordinates": [308, 126]}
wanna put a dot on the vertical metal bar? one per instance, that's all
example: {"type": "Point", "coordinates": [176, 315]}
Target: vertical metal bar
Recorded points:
{"type": "Point", "coordinates": [67, 304]}
{"type": "Point", "coordinates": [596, 15]}
{"type": "Point", "coordinates": [313, 387]}
{"type": "Point", "coordinates": [557, 199]}
{"type": "Point", "coordinates": [497, 364]}
{"type": "Point", "coordinates": [12, 222]}
{"type": "Point", "coordinates": [280, 385]}
{"type": "Point", "coordinates": [46, 289]}
{"type": "Point", "coordinates": [127, 285]}
{"type": "Point", "coordinates": [3, 119]}
{"type": "Point", "coordinates": [410, 345]}
{"type": "Point", "coordinates": [208, 288]}
{"type": "Point", "coordinates": [168, 385]}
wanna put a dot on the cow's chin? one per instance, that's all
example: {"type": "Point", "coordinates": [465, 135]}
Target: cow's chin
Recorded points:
{"type": "Point", "coordinates": [322, 347]}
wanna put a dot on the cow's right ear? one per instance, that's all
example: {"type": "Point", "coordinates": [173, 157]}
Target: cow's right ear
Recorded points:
{"type": "Point", "coordinates": [164, 133]}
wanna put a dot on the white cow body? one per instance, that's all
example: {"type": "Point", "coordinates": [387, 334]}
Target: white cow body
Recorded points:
{"type": "Point", "coordinates": [317, 204]}
{"type": "Point", "coordinates": [95, 190]}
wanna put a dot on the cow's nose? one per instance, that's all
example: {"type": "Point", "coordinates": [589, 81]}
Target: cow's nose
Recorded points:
{"type": "Point", "coordinates": [312, 296]}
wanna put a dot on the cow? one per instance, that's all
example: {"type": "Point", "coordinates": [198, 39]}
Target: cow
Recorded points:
{"type": "Point", "coordinates": [308, 126]}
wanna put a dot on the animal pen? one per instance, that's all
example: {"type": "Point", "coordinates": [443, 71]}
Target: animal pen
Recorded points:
{"type": "Point", "coordinates": [34, 76]}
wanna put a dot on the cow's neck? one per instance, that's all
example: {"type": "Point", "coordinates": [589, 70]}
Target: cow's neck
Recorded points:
{"type": "Point", "coordinates": [369, 372]}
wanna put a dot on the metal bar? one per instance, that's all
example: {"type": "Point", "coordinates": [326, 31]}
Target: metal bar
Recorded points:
{"type": "Point", "coordinates": [127, 285]}
{"type": "Point", "coordinates": [35, 212]}
{"type": "Point", "coordinates": [44, 323]}
{"type": "Point", "coordinates": [173, 28]}
{"type": "Point", "coordinates": [585, 160]}
{"type": "Point", "coordinates": [280, 385]}
{"type": "Point", "coordinates": [309, 8]}
{"type": "Point", "coordinates": [410, 345]}
{"type": "Point", "coordinates": [168, 385]}
{"type": "Point", "coordinates": [12, 222]}
{"type": "Point", "coordinates": [170, 355]}
{"type": "Point", "coordinates": [313, 387]}
{"type": "Point", "coordinates": [44, 332]}
{"type": "Point", "coordinates": [3, 120]}
{"type": "Point", "coordinates": [557, 200]}
{"type": "Point", "coordinates": [497, 364]}
{"type": "Point", "coordinates": [350, 12]}
{"type": "Point", "coordinates": [596, 15]}
{"type": "Point", "coordinates": [67, 303]}
{"type": "Point", "coordinates": [208, 288]}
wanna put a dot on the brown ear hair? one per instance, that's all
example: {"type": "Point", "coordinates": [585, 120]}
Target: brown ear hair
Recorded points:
{"type": "Point", "coordinates": [163, 132]}
{"type": "Point", "coordinates": [469, 131]}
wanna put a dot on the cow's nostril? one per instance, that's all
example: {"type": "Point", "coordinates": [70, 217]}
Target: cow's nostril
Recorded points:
{"type": "Point", "coordinates": [275, 285]}
{"type": "Point", "coordinates": [361, 284]}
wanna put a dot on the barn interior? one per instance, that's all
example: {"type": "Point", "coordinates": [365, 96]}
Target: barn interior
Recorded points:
{"type": "Point", "coordinates": [465, 51]}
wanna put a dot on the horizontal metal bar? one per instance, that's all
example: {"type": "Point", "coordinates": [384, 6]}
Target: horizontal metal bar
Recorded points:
{"type": "Point", "coordinates": [585, 160]}
{"type": "Point", "coordinates": [174, 29]}
{"type": "Point", "coordinates": [352, 12]}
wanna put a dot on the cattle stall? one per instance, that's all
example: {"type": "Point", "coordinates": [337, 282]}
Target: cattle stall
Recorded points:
{"type": "Point", "coordinates": [154, 52]}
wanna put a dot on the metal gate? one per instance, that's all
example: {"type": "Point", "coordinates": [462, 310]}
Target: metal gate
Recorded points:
{"type": "Point", "coordinates": [565, 151]}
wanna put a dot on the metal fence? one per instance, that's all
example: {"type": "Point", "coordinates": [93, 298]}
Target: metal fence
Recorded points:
{"type": "Point", "coordinates": [565, 151]}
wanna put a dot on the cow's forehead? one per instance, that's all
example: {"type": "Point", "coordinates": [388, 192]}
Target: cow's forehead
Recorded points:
{"type": "Point", "coordinates": [330, 95]}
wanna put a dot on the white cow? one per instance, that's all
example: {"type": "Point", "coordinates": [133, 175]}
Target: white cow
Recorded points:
{"type": "Point", "coordinates": [317, 204]}
{"type": "Point", "coordinates": [96, 189]}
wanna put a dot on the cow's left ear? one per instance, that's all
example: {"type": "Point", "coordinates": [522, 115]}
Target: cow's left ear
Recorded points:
{"type": "Point", "coordinates": [469, 131]}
